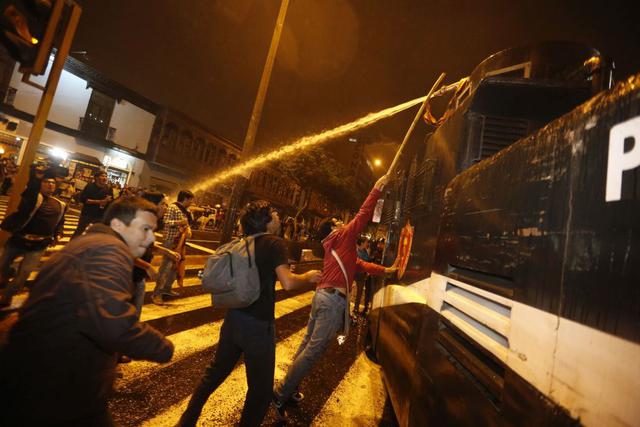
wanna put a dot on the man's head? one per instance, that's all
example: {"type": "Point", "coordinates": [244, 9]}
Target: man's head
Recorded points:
{"type": "Point", "coordinates": [134, 219]}
{"type": "Point", "coordinates": [158, 199]}
{"type": "Point", "coordinates": [259, 217]}
{"type": "Point", "coordinates": [361, 243]}
{"type": "Point", "coordinates": [47, 186]}
{"type": "Point", "coordinates": [185, 198]}
{"type": "Point", "coordinates": [328, 225]}
{"type": "Point", "coordinates": [100, 177]}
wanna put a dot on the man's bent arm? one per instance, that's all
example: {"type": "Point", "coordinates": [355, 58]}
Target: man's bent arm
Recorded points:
{"type": "Point", "coordinates": [291, 281]}
{"type": "Point", "coordinates": [111, 320]}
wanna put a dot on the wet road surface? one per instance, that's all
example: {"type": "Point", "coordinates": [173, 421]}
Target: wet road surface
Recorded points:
{"type": "Point", "coordinates": [344, 389]}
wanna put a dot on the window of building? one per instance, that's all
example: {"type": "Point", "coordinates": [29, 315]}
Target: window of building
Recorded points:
{"type": "Point", "coordinates": [98, 115]}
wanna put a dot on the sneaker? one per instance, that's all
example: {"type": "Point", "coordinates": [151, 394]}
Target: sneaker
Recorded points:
{"type": "Point", "coordinates": [171, 294]}
{"type": "Point", "coordinates": [157, 299]}
{"type": "Point", "coordinates": [281, 411]}
{"type": "Point", "coordinates": [297, 397]}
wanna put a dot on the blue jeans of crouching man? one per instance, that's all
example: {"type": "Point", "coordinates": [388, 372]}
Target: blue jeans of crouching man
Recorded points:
{"type": "Point", "coordinates": [241, 334]}
{"type": "Point", "coordinates": [326, 319]}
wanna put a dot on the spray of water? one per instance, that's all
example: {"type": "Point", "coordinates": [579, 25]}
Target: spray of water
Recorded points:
{"type": "Point", "coordinates": [304, 143]}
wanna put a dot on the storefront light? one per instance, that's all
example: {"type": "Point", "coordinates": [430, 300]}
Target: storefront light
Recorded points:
{"type": "Point", "coordinates": [117, 161]}
{"type": "Point", "coordinates": [59, 153]}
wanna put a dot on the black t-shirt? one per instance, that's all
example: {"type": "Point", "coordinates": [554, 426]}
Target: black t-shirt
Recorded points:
{"type": "Point", "coordinates": [271, 252]}
{"type": "Point", "coordinates": [93, 192]}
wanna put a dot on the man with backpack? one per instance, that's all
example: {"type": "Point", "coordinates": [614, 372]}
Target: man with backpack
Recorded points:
{"type": "Point", "coordinates": [249, 331]}
{"type": "Point", "coordinates": [330, 307]}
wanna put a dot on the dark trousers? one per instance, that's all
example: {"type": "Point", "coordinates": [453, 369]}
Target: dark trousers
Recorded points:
{"type": "Point", "coordinates": [255, 338]}
{"type": "Point", "coordinates": [363, 283]}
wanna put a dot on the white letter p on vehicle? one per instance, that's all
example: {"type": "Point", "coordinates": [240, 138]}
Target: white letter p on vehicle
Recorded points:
{"type": "Point", "coordinates": [619, 161]}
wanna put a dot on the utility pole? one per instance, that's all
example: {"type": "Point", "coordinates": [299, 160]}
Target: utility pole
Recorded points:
{"type": "Point", "coordinates": [240, 182]}
{"type": "Point", "coordinates": [49, 90]}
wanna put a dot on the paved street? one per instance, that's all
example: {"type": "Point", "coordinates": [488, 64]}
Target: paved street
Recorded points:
{"type": "Point", "coordinates": [344, 389]}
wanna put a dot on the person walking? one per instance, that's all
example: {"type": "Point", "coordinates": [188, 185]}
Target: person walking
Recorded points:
{"type": "Point", "coordinates": [36, 224]}
{"type": "Point", "coordinates": [177, 220]}
{"type": "Point", "coordinates": [142, 269]}
{"type": "Point", "coordinates": [250, 331]}
{"type": "Point", "coordinates": [361, 277]}
{"type": "Point", "coordinates": [95, 198]}
{"type": "Point", "coordinates": [330, 304]}
{"type": "Point", "coordinates": [58, 366]}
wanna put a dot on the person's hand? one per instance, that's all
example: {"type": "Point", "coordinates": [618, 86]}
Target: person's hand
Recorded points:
{"type": "Point", "coordinates": [381, 182]}
{"type": "Point", "coordinates": [313, 276]}
{"type": "Point", "coordinates": [175, 256]}
{"type": "Point", "coordinates": [189, 233]}
{"type": "Point", "coordinates": [390, 270]}
{"type": "Point", "coordinates": [152, 273]}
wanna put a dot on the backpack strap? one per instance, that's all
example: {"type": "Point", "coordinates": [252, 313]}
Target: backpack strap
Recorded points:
{"type": "Point", "coordinates": [347, 317]}
{"type": "Point", "coordinates": [247, 243]}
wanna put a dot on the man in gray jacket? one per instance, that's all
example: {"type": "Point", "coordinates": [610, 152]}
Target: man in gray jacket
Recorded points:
{"type": "Point", "coordinates": [59, 363]}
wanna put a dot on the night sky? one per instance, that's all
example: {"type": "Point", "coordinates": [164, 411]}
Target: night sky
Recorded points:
{"type": "Point", "coordinates": [337, 61]}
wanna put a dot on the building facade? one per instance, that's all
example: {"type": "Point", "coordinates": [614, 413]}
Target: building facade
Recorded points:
{"type": "Point", "coordinates": [93, 122]}
{"type": "Point", "coordinates": [183, 152]}
{"type": "Point", "coordinates": [96, 123]}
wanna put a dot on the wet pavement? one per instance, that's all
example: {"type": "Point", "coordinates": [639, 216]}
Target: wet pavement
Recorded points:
{"type": "Point", "coordinates": [344, 389]}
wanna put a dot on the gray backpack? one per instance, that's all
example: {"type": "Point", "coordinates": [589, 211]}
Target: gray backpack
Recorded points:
{"type": "Point", "coordinates": [231, 274]}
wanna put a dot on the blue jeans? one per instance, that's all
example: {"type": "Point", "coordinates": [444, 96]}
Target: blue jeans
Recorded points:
{"type": "Point", "coordinates": [326, 319]}
{"type": "Point", "coordinates": [240, 334]}
{"type": "Point", "coordinates": [166, 273]}
{"type": "Point", "coordinates": [29, 263]}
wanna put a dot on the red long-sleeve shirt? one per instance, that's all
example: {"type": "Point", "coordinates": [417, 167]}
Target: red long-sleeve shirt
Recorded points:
{"type": "Point", "coordinates": [343, 241]}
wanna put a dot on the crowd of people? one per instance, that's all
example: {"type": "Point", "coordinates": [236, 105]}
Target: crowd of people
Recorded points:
{"type": "Point", "coordinates": [82, 314]}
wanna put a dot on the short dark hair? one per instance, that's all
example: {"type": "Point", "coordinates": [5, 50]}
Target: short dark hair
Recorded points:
{"type": "Point", "coordinates": [126, 208]}
{"type": "Point", "coordinates": [154, 197]}
{"type": "Point", "coordinates": [99, 172]}
{"type": "Point", "coordinates": [324, 229]}
{"type": "Point", "coordinates": [255, 217]}
{"type": "Point", "coordinates": [184, 195]}
{"type": "Point", "coordinates": [361, 240]}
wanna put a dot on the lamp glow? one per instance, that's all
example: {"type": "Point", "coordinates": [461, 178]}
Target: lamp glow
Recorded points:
{"type": "Point", "coordinates": [59, 153]}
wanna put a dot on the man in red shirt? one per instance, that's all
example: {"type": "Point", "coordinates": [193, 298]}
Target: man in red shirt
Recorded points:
{"type": "Point", "coordinates": [330, 305]}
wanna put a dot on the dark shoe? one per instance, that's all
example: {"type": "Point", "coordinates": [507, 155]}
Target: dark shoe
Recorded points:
{"type": "Point", "coordinates": [157, 299]}
{"type": "Point", "coordinates": [171, 294]}
{"type": "Point", "coordinates": [281, 412]}
{"type": "Point", "coordinates": [124, 359]}
{"type": "Point", "coordinates": [297, 397]}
